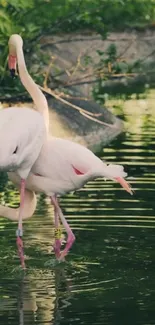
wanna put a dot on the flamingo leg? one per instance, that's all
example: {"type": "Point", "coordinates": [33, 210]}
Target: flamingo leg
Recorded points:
{"type": "Point", "coordinates": [57, 243]}
{"type": "Point", "coordinates": [70, 237]}
{"type": "Point", "coordinates": [19, 232]}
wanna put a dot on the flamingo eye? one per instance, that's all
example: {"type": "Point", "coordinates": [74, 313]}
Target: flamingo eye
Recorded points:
{"type": "Point", "coordinates": [15, 151]}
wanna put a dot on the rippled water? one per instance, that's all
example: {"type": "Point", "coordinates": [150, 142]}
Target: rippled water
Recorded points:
{"type": "Point", "coordinates": [108, 277]}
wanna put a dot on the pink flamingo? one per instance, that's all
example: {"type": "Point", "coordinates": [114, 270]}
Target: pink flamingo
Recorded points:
{"type": "Point", "coordinates": [22, 134]}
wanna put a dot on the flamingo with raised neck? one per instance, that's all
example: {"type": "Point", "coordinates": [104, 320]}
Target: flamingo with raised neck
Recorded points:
{"type": "Point", "coordinates": [22, 134]}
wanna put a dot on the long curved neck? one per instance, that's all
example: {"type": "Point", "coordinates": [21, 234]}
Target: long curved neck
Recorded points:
{"type": "Point", "coordinates": [9, 213]}
{"type": "Point", "coordinates": [30, 203]}
{"type": "Point", "coordinates": [36, 94]}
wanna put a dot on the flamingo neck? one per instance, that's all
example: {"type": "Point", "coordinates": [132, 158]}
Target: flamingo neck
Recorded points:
{"type": "Point", "coordinates": [9, 213]}
{"type": "Point", "coordinates": [36, 94]}
{"type": "Point", "coordinates": [28, 209]}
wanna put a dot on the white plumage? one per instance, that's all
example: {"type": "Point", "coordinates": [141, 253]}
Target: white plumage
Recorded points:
{"type": "Point", "coordinates": [22, 134]}
{"type": "Point", "coordinates": [65, 166]}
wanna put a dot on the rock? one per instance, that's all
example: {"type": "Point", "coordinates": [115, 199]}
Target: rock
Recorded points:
{"type": "Point", "coordinates": [83, 130]}
{"type": "Point", "coordinates": [71, 50]}
{"type": "Point", "coordinates": [68, 71]}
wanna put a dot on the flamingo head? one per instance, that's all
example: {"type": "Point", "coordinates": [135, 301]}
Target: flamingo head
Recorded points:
{"type": "Point", "coordinates": [14, 41]}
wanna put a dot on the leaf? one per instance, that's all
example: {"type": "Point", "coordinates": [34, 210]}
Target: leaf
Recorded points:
{"type": "Point", "coordinates": [99, 52]}
{"type": "Point", "coordinates": [21, 3]}
{"type": "Point", "coordinates": [4, 15]}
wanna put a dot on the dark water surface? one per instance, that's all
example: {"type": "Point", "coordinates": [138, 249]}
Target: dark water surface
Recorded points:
{"type": "Point", "coordinates": [109, 275]}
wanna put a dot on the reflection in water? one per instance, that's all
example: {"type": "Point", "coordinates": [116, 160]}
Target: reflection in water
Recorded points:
{"type": "Point", "coordinates": [40, 299]}
{"type": "Point", "coordinates": [108, 277]}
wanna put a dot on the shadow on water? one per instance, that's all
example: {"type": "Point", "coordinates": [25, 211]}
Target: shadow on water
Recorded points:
{"type": "Point", "coordinates": [108, 277]}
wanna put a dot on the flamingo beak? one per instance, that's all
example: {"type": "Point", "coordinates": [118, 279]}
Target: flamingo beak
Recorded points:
{"type": "Point", "coordinates": [12, 65]}
{"type": "Point", "coordinates": [124, 184]}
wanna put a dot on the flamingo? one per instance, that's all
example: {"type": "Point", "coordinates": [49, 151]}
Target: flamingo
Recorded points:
{"type": "Point", "coordinates": [62, 166]}
{"type": "Point", "coordinates": [22, 134]}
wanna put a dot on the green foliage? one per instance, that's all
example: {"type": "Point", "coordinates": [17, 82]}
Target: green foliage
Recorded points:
{"type": "Point", "coordinates": [34, 18]}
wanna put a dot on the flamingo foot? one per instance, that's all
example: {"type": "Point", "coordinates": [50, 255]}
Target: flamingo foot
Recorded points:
{"type": "Point", "coordinates": [70, 241]}
{"type": "Point", "coordinates": [20, 246]}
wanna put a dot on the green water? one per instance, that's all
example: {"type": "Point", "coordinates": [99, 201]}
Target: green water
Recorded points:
{"type": "Point", "coordinates": [109, 275]}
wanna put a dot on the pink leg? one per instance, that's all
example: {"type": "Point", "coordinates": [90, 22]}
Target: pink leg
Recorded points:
{"type": "Point", "coordinates": [57, 243]}
{"type": "Point", "coordinates": [71, 237]}
{"type": "Point", "coordinates": [19, 232]}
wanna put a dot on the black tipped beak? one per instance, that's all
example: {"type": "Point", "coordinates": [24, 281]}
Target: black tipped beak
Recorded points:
{"type": "Point", "coordinates": [13, 73]}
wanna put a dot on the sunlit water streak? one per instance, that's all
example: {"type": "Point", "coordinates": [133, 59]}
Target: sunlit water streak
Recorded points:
{"type": "Point", "coordinates": [108, 277]}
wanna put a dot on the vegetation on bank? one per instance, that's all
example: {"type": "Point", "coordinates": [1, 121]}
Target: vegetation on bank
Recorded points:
{"type": "Point", "coordinates": [35, 18]}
